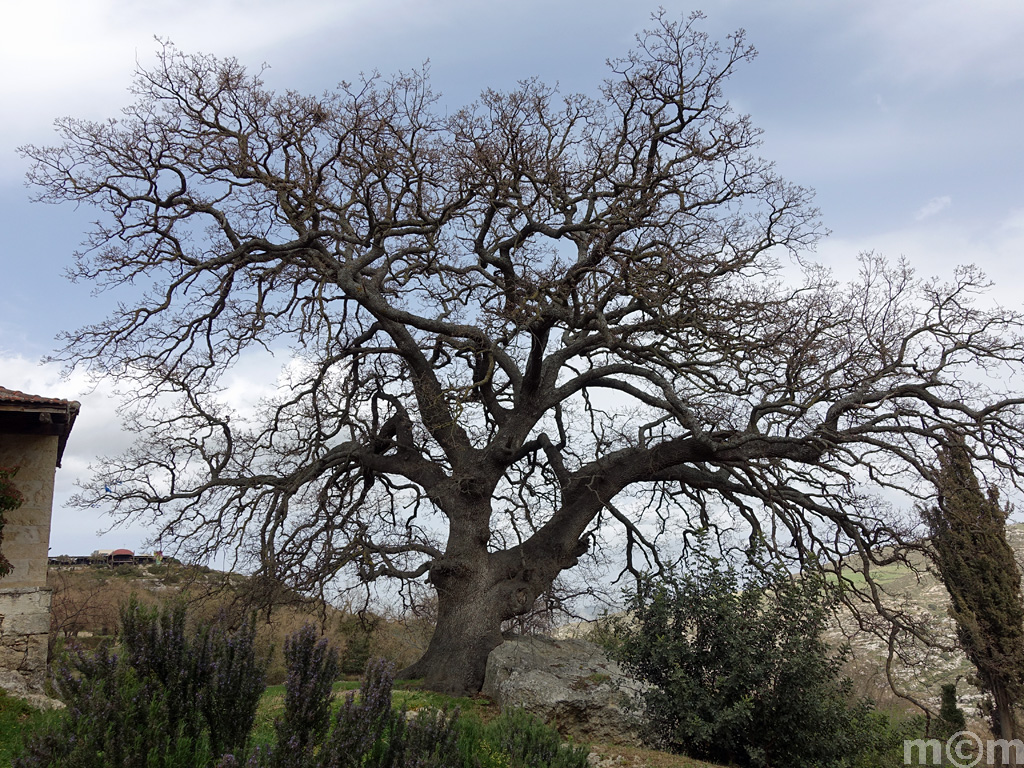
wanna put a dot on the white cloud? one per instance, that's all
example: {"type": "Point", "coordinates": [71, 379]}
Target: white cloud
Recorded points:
{"type": "Point", "coordinates": [939, 42]}
{"type": "Point", "coordinates": [936, 249]}
{"type": "Point", "coordinates": [932, 207]}
{"type": "Point", "coordinates": [68, 57]}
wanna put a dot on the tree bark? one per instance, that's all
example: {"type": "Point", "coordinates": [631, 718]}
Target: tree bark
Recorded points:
{"type": "Point", "coordinates": [472, 602]}
{"type": "Point", "coordinates": [468, 629]}
{"type": "Point", "coordinates": [1003, 720]}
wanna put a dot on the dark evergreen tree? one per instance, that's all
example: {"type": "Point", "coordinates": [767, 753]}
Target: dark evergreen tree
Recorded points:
{"type": "Point", "coordinates": [975, 562]}
{"type": "Point", "coordinates": [951, 717]}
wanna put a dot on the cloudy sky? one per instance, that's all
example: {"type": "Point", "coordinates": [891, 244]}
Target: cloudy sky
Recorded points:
{"type": "Point", "coordinates": [903, 115]}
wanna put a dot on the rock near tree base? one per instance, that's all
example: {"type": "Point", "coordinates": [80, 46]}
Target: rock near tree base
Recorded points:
{"type": "Point", "coordinates": [570, 684]}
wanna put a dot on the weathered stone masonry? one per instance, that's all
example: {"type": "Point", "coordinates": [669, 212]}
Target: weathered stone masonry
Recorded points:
{"type": "Point", "coordinates": [33, 433]}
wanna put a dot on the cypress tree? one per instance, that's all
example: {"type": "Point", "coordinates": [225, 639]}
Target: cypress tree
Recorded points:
{"type": "Point", "coordinates": [976, 563]}
{"type": "Point", "coordinates": [951, 717]}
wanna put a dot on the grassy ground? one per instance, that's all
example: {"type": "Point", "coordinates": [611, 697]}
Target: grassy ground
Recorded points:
{"type": "Point", "coordinates": [17, 719]}
{"type": "Point", "coordinates": [406, 695]}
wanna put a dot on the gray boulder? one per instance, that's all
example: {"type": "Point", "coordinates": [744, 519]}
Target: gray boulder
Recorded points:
{"type": "Point", "coordinates": [571, 684]}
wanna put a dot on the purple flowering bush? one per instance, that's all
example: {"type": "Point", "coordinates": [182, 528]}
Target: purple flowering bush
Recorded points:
{"type": "Point", "coordinates": [171, 696]}
{"type": "Point", "coordinates": [313, 666]}
{"type": "Point", "coordinates": [168, 697]}
{"type": "Point", "coordinates": [368, 732]}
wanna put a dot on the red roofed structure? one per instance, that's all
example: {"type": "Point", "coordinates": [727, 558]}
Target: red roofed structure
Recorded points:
{"type": "Point", "coordinates": [122, 557]}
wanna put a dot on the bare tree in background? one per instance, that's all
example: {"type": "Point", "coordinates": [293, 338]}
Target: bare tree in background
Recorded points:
{"type": "Point", "coordinates": [83, 600]}
{"type": "Point", "coordinates": [509, 327]}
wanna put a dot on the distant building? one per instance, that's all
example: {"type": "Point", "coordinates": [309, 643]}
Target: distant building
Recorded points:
{"type": "Point", "coordinates": [108, 557]}
{"type": "Point", "coordinates": [33, 434]}
{"type": "Point", "coordinates": [122, 557]}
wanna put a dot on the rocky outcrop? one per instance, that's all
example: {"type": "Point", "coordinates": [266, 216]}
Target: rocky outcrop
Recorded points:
{"type": "Point", "coordinates": [571, 684]}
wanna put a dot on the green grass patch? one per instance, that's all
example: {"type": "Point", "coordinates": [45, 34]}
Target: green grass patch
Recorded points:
{"type": "Point", "coordinates": [17, 720]}
{"type": "Point", "coordinates": [881, 575]}
{"type": "Point", "coordinates": [405, 694]}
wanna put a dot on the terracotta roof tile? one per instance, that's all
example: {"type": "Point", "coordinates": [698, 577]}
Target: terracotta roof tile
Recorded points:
{"type": "Point", "coordinates": [64, 412]}
{"type": "Point", "coordinates": [13, 396]}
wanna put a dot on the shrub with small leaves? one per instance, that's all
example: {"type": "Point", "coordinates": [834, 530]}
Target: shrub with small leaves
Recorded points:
{"type": "Point", "coordinates": [364, 727]}
{"type": "Point", "coordinates": [367, 732]}
{"type": "Point", "coordinates": [214, 678]}
{"type": "Point", "coordinates": [114, 717]}
{"type": "Point", "coordinates": [170, 697]}
{"type": "Point", "coordinates": [740, 672]}
{"type": "Point", "coordinates": [313, 666]}
{"type": "Point", "coordinates": [530, 743]}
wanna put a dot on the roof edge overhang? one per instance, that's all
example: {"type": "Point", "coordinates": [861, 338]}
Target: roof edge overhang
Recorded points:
{"type": "Point", "coordinates": [21, 413]}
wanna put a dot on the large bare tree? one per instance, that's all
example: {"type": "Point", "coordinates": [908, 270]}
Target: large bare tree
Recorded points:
{"type": "Point", "coordinates": [507, 329]}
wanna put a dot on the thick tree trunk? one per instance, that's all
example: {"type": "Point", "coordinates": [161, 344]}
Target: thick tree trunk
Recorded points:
{"type": "Point", "coordinates": [477, 590]}
{"type": "Point", "coordinates": [472, 603]}
{"type": "Point", "coordinates": [468, 629]}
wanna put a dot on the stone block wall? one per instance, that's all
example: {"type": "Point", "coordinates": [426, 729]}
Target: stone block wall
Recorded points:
{"type": "Point", "coordinates": [24, 631]}
{"type": "Point", "coordinates": [24, 598]}
{"type": "Point", "coordinates": [27, 533]}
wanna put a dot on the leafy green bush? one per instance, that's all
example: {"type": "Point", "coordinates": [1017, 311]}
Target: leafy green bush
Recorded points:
{"type": "Point", "coordinates": [527, 742]}
{"type": "Point", "coordinates": [17, 720]}
{"type": "Point", "coordinates": [740, 673]}
{"type": "Point", "coordinates": [169, 696]}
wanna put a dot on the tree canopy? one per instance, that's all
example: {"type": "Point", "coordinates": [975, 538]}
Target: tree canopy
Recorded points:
{"type": "Point", "coordinates": [508, 328]}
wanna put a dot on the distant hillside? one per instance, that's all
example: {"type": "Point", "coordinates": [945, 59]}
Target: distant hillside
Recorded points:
{"type": "Point", "coordinates": [926, 669]}
{"type": "Point", "coordinates": [922, 670]}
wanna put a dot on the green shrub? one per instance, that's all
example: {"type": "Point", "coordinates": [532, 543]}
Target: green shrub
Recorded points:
{"type": "Point", "coordinates": [17, 720]}
{"type": "Point", "coordinates": [739, 670]}
{"type": "Point", "coordinates": [358, 631]}
{"type": "Point", "coordinates": [529, 743]}
{"type": "Point", "coordinates": [168, 697]}
{"type": "Point", "coordinates": [367, 731]}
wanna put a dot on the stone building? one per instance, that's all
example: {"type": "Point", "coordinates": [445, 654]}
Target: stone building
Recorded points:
{"type": "Point", "coordinates": [33, 433]}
